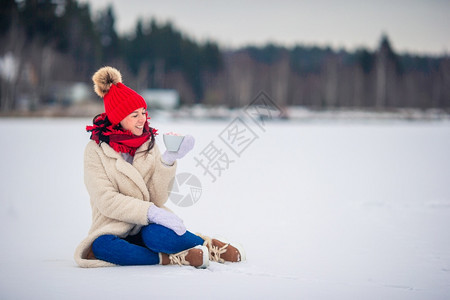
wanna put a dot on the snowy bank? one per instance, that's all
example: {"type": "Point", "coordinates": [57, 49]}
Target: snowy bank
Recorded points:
{"type": "Point", "coordinates": [329, 210]}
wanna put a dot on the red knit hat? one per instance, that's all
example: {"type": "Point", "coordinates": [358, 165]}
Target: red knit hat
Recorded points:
{"type": "Point", "coordinates": [119, 100]}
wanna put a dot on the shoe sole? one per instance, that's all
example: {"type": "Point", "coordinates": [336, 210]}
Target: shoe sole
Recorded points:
{"type": "Point", "coordinates": [205, 256]}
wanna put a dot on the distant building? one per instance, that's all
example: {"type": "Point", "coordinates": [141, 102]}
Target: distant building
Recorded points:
{"type": "Point", "coordinates": [161, 98]}
{"type": "Point", "coordinates": [69, 93]}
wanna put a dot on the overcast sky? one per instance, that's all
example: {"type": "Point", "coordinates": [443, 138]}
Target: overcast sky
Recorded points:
{"type": "Point", "coordinates": [418, 26]}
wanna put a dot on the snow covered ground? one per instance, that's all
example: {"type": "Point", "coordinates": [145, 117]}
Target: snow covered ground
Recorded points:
{"type": "Point", "coordinates": [325, 210]}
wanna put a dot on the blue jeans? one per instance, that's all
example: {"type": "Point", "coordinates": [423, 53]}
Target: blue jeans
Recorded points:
{"type": "Point", "coordinates": [143, 248]}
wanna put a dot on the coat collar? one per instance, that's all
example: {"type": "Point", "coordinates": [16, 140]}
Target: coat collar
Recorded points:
{"type": "Point", "coordinates": [141, 169]}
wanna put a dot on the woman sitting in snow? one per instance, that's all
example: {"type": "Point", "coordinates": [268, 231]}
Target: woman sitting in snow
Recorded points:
{"type": "Point", "coordinates": [128, 179]}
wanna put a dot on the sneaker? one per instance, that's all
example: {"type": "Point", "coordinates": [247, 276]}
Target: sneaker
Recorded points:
{"type": "Point", "coordinates": [196, 257]}
{"type": "Point", "coordinates": [222, 251]}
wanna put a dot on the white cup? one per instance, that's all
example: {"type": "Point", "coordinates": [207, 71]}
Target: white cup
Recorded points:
{"type": "Point", "coordinates": [172, 142]}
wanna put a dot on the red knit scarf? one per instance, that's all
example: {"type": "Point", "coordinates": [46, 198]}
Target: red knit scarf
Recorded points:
{"type": "Point", "coordinates": [120, 140]}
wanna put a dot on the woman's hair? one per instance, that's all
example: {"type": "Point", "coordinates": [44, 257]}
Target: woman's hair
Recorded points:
{"type": "Point", "coordinates": [105, 123]}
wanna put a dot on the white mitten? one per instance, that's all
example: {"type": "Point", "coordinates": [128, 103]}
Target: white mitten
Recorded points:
{"type": "Point", "coordinates": [186, 145]}
{"type": "Point", "coordinates": [166, 218]}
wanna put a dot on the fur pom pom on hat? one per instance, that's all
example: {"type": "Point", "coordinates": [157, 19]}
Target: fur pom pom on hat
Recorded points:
{"type": "Point", "coordinates": [119, 100]}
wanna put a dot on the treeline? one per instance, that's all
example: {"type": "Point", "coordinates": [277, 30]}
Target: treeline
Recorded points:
{"type": "Point", "coordinates": [323, 78]}
{"type": "Point", "coordinates": [43, 42]}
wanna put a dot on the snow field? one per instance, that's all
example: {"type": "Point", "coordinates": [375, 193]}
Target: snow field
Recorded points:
{"type": "Point", "coordinates": [325, 210]}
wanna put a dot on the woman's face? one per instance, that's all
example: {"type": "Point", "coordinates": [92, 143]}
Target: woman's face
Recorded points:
{"type": "Point", "coordinates": [135, 121]}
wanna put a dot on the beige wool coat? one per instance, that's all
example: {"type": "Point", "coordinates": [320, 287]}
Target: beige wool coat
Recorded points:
{"type": "Point", "coordinates": [121, 193]}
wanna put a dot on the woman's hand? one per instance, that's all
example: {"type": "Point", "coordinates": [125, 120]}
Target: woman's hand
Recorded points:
{"type": "Point", "coordinates": [186, 145]}
{"type": "Point", "coordinates": [166, 218]}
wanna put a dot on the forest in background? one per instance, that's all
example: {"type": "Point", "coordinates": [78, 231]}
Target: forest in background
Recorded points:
{"type": "Point", "coordinates": [45, 42]}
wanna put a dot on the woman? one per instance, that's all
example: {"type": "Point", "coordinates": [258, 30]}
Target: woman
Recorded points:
{"type": "Point", "coordinates": [128, 181]}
